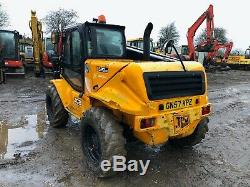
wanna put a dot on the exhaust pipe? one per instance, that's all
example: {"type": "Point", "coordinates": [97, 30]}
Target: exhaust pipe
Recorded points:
{"type": "Point", "coordinates": [146, 42]}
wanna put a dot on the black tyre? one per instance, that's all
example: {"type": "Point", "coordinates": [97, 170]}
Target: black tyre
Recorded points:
{"type": "Point", "coordinates": [57, 115]}
{"type": "Point", "coordinates": [193, 139]}
{"type": "Point", "coordinates": [101, 139]}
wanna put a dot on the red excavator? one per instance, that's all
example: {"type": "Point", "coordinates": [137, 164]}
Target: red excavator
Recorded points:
{"type": "Point", "coordinates": [206, 46]}
{"type": "Point", "coordinates": [210, 45]}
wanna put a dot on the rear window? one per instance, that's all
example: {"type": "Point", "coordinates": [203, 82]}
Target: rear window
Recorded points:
{"type": "Point", "coordinates": [109, 43]}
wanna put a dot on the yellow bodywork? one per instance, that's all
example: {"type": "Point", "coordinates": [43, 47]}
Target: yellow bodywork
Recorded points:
{"type": "Point", "coordinates": [37, 38]}
{"type": "Point", "coordinates": [135, 40]}
{"type": "Point", "coordinates": [239, 59]}
{"type": "Point", "coordinates": [138, 42]}
{"type": "Point", "coordinates": [122, 89]}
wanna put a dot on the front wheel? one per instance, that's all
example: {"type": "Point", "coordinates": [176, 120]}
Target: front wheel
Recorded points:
{"type": "Point", "coordinates": [57, 115]}
{"type": "Point", "coordinates": [193, 139]}
{"type": "Point", "coordinates": [101, 139]}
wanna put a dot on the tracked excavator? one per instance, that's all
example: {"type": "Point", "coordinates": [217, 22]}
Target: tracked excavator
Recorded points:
{"type": "Point", "coordinates": [207, 51]}
{"type": "Point", "coordinates": [42, 62]}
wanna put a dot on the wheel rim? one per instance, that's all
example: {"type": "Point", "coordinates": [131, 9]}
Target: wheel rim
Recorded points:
{"type": "Point", "coordinates": [92, 145]}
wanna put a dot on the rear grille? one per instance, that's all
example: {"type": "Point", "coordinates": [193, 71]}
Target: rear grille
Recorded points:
{"type": "Point", "coordinates": [163, 85]}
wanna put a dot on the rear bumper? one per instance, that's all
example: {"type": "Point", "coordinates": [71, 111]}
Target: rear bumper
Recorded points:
{"type": "Point", "coordinates": [13, 64]}
{"type": "Point", "coordinates": [166, 125]}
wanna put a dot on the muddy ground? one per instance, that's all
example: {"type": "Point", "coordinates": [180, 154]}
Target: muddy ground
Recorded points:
{"type": "Point", "coordinates": [32, 154]}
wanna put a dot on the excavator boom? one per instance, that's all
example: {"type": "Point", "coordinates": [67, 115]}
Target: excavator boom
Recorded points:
{"type": "Point", "coordinates": [41, 57]}
{"type": "Point", "coordinates": [208, 15]}
{"type": "Point", "coordinates": [37, 38]}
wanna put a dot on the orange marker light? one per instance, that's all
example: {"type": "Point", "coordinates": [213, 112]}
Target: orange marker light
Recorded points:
{"type": "Point", "coordinates": [101, 19]}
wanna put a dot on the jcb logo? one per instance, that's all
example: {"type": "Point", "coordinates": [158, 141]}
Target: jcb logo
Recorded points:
{"type": "Point", "coordinates": [182, 121]}
{"type": "Point", "coordinates": [78, 101]}
{"type": "Point", "coordinates": [102, 69]}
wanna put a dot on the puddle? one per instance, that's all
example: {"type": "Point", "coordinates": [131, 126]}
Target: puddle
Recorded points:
{"type": "Point", "coordinates": [16, 141]}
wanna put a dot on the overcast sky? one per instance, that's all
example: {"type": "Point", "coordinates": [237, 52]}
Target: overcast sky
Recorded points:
{"type": "Point", "coordinates": [230, 14]}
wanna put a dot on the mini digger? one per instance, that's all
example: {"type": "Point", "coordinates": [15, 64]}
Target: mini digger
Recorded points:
{"type": "Point", "coordinates": [9, 53]}
{"type": "Point", "coordinates": [109, 87]}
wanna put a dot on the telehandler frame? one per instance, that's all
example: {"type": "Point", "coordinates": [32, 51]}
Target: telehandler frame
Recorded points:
{"type": "Point", "coordinates": [108, 86]}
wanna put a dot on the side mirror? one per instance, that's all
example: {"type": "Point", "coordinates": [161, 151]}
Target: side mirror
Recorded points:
{"type": "Point", "coordinates": [170, 43]}
{"type": "Point", "coordinates": [168, 50]}
{"type": "Point", "coordinates": [169, 46]}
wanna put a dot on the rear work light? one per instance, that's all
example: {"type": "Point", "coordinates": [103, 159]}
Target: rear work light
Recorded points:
{"type": "Point", "coordinates": [146, 123]}
{"type": "Point", "coordinates": [206, 110]}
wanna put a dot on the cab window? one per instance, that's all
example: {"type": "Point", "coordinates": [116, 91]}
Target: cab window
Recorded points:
{"type": "Point", "coordinates": [105, 42]}
{"type": "Point", "coordinates": [66, 58]}
{"type": "Point", "coordinates": [76, 48]}
{"type": "Point", "coordinates": [73, 60]}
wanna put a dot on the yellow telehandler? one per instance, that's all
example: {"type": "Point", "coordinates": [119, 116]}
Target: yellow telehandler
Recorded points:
{"type": "Point", "coordinates": [109, 86]}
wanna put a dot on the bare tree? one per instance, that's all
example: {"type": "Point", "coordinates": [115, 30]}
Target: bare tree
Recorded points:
{"type": "Point", "coordinates": [167, 33]}
{"type": "Point", "coordinates": [4, 18]}
{"type": "Point", "coordinates": [59, 19]}
{"type": "Point", "coordinates": [219, 35]}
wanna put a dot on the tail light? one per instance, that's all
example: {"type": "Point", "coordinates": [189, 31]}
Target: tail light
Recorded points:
{"type": "Point", "coordinates": [206, 110]}
{"type": "Point", "coordinates": [146, 123]}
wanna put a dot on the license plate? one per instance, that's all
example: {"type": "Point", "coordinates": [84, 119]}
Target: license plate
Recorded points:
{"type": "Point", "coordinates": [180, 122]}
{"type": "Point", "coordinates": [178, 104]}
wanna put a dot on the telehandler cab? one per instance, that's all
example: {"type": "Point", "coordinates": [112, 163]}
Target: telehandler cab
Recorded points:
{"type": "Point", "coordinates": [109, 86]}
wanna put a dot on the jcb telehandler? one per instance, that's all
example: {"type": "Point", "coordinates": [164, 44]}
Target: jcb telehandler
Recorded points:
{"type": "Point", "coordinates": [109, 86]}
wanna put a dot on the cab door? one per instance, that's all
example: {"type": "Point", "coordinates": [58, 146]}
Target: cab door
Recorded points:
{"type": "Point", "coordinates": [72, 71]}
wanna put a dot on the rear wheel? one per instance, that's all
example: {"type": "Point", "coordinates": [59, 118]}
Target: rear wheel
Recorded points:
{"type": "Point", "coordinates": [57, 115]}
{"type": "Point", "coordinates": [101, 139]}
{"type": "Point", "coordinates": [193, 139]}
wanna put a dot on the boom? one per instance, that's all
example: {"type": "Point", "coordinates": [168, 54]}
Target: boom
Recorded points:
{"type": "Point", "coordinates": [41, 57]}
{"type": "Point", "coordinates": [37, 38]}
{"type": "Point", "coordinates": [207, 15]}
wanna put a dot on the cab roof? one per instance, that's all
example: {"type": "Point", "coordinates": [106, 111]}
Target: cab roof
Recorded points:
{"type": "Point", "coordinates": [88, 24]}
{"type": "Point", "coordinates": [15, 32]}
